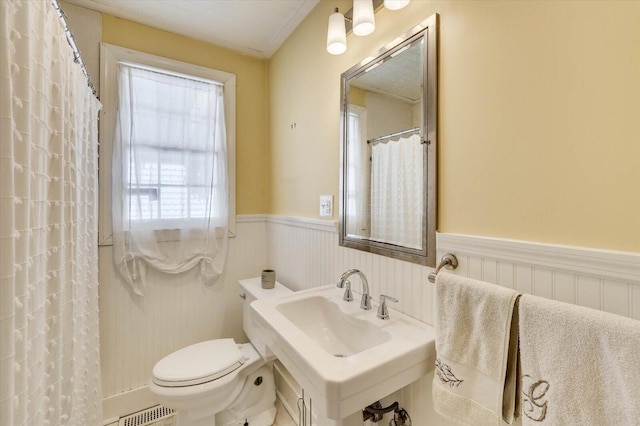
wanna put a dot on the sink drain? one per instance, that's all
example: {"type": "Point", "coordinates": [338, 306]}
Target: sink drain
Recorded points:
{"type": "Point", "coordinates": [341, 356]}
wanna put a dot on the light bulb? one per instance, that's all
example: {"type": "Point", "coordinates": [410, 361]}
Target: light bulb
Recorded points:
{"type": "Point", "coordinates": [395, 4]}
{"type": "Point", "coordinates": [336, 34]}
{"type": "Point", "coordinates": [363, 20]}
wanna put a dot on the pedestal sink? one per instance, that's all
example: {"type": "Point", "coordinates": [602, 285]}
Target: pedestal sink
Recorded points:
{"type": "Point", "coordinates": [344, 357]}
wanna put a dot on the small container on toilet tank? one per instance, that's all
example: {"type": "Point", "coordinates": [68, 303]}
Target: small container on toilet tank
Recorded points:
{"type": "Point", "coordinates": [268, 278]}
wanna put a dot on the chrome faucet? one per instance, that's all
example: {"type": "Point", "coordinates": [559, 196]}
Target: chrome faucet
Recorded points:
{"type": "Point", "coordinates": [365, 303]}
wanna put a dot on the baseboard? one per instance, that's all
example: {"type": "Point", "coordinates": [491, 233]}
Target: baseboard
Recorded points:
{"type": "Point", "coordinates": [125, 403]}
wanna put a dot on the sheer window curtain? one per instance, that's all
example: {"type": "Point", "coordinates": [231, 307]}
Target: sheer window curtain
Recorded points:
{"type": "Point", "coordinates": [170, 188]}
{"type": "Point", "coordinates": [396, 175]}
{"type": "Point", "coordinates": [49, 354]}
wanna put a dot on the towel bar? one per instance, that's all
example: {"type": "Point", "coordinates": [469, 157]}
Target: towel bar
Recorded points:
{"type": "Point", "coordinates": [449, 261]}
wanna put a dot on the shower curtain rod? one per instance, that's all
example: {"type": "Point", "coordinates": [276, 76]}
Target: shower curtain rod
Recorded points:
{"type": "Point", "coordinates": [403, 132]}
{"type": "Point", "coordinates": [72, 43]}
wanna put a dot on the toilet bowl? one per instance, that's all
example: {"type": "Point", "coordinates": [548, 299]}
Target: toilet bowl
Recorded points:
{"type": "Point", "coordinates": [219, 382]}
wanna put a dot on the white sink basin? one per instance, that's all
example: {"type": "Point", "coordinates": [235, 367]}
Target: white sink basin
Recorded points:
{"type": "Point", "coordinates": [344, 357]}
{"type": "Point", "coordinates": [323, 321]}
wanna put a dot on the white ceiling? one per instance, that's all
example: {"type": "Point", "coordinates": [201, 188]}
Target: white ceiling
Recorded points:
{"type": "Point", "coordinates": [254, 27]}
{"type": "Point", "coordinates": [399, 76]}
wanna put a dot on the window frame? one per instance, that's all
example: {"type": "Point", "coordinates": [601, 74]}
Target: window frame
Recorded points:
{"type": "Point", "coordinates": [110, 56]}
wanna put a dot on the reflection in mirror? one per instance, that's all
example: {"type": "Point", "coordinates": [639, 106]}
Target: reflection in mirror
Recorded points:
{"type": "Point", "coordinates": [391, 94]}
{"type": "Point", "coordinates": [388, 150]}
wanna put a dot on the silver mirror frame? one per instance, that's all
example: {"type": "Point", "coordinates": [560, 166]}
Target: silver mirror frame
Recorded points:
{"type": "Point", "coordinates": [429, 133]}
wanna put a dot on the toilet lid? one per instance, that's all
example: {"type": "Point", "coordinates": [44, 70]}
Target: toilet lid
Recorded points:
{"type": "Point", "coordinates": [199, 363]}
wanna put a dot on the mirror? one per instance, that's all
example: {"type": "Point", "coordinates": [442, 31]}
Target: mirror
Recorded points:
{"type": "Point", "coordinates": [388, 149]}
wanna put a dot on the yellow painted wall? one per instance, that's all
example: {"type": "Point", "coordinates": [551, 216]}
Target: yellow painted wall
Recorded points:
{"type": "Point", "coordinates": [357, 96]}
{"type": "Point", "coordinates": [539, 117]}
{"type": "Point", "coordinates": [251, 98]}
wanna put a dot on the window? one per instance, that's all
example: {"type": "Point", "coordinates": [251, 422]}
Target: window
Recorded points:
{"type": "Point", "coordinates": [174, 146]}
{"type": "Point", "coordinates": [358, 183]}
{"type": "Point", "coordinates": [167, 187]}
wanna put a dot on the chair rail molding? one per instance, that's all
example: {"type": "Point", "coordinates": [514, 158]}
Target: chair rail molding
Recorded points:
{"type": "Point", "coordinates": [301, 222]}
{"type": "Point", "coordinates": [624, 266]}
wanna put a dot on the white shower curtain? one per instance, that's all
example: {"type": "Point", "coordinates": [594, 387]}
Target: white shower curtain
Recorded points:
{"type": "Point", "coordinates": [49, 350]}
{"type": "Point", "coordinates": [397, 192]}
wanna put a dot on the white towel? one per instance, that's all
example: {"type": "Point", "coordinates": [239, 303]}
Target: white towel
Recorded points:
{"type": "Point", "coordinates": [476, 346]}
{"type": "Point", "coordinates": [579, 366]}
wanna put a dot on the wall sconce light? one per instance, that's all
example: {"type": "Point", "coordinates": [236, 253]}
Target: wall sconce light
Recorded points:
{"type": "Point", "coordinates": [362, 24]}
{"type": "Point", "coordinates": [395, 4]}
{"type": "Point", "coordinates": [336, 34]}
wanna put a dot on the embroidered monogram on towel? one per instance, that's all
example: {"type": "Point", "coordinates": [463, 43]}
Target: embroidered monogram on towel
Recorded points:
{"type": "Point", "coordinates": [533, 392]}
{"type": "Point", "coordinates": [446, 375]}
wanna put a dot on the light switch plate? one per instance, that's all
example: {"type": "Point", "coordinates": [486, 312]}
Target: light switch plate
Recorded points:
{"type": "Point", "coordinates": [326, 206]}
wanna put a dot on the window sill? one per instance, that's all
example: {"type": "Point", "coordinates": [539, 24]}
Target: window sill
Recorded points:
{"type": "Point", "coordinates": [169, 236]}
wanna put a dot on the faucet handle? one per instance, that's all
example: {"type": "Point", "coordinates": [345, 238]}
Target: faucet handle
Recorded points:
{"type": "Point", "coordinates": [383, 311]}
{"type": "Point", "coordinates": [348, 294]}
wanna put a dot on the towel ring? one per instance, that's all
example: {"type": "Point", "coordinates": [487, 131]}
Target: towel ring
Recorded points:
{"type": "Point", "coordinates": [449, 261]}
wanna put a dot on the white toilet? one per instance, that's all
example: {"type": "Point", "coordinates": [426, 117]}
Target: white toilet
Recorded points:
{"type": "Point", "coordinates": [219, 382]}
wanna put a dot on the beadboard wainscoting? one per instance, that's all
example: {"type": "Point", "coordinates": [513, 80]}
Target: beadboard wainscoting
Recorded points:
{"type": "Point", "coordinates": [599, 279]}
{"type": "Point", "coordinates": [136, 332]}
{"type": "Point", "coordinates": [305, 253]}
{"type": "Point", "coordinates": [177, 311]}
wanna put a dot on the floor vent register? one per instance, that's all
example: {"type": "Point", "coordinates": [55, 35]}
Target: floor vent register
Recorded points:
{"type": "Point", "coordinates": [154, 416]}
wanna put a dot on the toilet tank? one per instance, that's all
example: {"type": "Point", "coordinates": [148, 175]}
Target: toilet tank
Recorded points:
{"type": "Point", "coordinates": [252, 290]}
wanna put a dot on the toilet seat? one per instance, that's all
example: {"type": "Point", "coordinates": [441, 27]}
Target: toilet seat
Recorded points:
{"type": "Point", "coordinates": [199, 363]}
